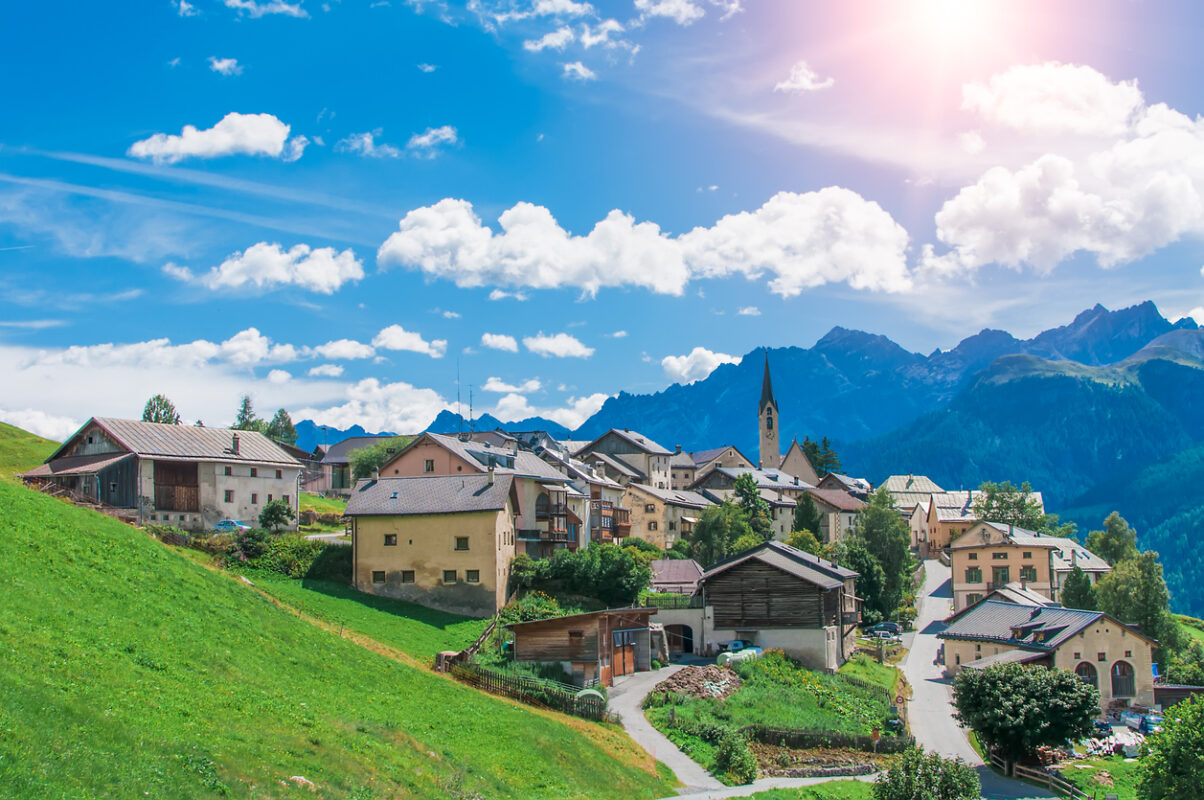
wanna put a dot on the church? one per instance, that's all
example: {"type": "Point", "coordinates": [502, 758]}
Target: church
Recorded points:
{"type": "Point", "coordinates": [795, 462]}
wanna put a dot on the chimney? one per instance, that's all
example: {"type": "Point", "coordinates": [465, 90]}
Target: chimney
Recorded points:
{"type": "Point", "coordinates": [490, 474]}
{"type": "Point", "coordinates": [234, 444]}
{"type": "Point", "coordinates": [1074, 558]}
{"type": "Point", "coordinates": [679, 448]}
{"type": "Point", "coordinates": [375, 473]}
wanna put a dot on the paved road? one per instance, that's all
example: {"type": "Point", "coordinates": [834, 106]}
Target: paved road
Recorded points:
{"type": "Point", "coordinates": [930, 709]}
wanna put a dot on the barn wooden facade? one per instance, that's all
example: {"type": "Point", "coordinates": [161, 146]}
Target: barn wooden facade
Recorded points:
{"type": "Point", "coordinates": [595, 647]}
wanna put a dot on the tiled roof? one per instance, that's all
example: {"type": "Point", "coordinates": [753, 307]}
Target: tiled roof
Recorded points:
{"type": "Point", "coordinates": [682, 460]}
{"type": "Point", "coordinates": [674, 497]}
{"type": "Point", "coordinates": [765, 478]}
{"type": "Point", "coordinates": [706, 456]}
{"type": "Point", "coordinates": [340, 452]}
{"type": "Point", "coordinates": [791, 560]}
{"type": "Point", "coordinates": [911, 483]}
{"type": "Point", "coordinates": [576, 470]}
{"type": "Point", "coordinates": [1036, 627]}
{"type": "Point", "coordinates": [477, 454]}
{"type": "Point", "coordinates": [1070, 554]}
{"type": "Point", "coordinates": [842, 501]}
{"type": "Point", "coordinates": [429, 494]}
{"type": "Point", "coordinates": [638, 440]}
{"type": "Point", "coordinates": [679, 571]}
{"type": "Point", "coordinates": [189, 442]}
{"type": "Point", "coordinates": [616, 464]}
{"type": "Point", "coordinates": [76, 465]}
{"type": "Point", "coordinates": [1006, 657]}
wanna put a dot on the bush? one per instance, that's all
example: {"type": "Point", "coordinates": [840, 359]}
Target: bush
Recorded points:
{"type": "Point", "coordinates": [290, 555]}
{"type": "Point", "coordinates": [276, 514]}
{"type": "Point", "coordinates": [248, 545]}
{"type": "Point", "coordinates": [734, 761]}
{"type": "Point", "coordinates": [612, 574]}
{"type": "Point", "coordinates": [1171, 768]}
{"type": "Point", "coordinates": [532, 606]}
{"type": "Point", "coordinates": [916, 775]}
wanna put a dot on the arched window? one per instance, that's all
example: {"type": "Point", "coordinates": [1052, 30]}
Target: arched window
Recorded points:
{"type": "Point", "coordinates": [769, 422]}
{"type": "Point", "coordinates": [1123, 683]}
{"type": "Point", "coordinates": [1086, 672]}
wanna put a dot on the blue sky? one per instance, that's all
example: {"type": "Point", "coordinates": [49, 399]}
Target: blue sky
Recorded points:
{"type": "Point", "coordinates": [337, 207]}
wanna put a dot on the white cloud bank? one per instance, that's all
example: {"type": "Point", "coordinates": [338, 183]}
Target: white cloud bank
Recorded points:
{"type": "Point", "coordinates": [499, 341]}
{"type": "Point", "coordinates": [526, 387]}
{"type": "Point", "coordinates": [801, 240]}
{"type": "Point", "coordinates": [560, 345]}
{"type": "Point", "coordinates": [683, 12]}
{"type": "Point", "coordinates": [255, 9]}
{"type": "Point", "coordinates": [235, 134]}
{"type": "Point", "coordinates": [265, 266]}
{"type": "Point", "coordinates": [696, 365]}
{"type": "Point", "coordinates": [396, 337]}
{"type": "Point", "coordinates": [513, 407]}
{"type": "Point", "coordinates": [39, 422]}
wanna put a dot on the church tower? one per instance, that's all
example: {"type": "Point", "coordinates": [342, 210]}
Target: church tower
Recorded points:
{"type": "Point", "coordinates": [768, 423]}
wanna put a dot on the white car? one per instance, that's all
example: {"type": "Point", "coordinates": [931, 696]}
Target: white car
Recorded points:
{"type": "Point", "coordinates": [231, 526]}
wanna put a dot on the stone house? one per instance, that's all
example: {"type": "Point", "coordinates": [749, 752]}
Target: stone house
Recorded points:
{"type": "Point", "coordinates": [687, 468]}
{"type": "Point", "coordinates": [181, 475]}
{"type": "Point", "coordinates": [838, 512]}
{"type": "Point", "coordinates": [631, 456]}
{"type": "Point", "coordinates": [662, 516]}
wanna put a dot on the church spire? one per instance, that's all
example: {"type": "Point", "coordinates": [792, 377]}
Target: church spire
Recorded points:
{"type": "Point", "coordinates": [767, 387]}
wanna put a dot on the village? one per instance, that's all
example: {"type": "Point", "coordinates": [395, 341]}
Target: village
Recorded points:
{"type": "Point", "coordinates": [626, 580]}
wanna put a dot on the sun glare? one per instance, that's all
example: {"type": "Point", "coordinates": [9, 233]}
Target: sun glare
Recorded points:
{"type": "Point", "coordinates": [953, 23]}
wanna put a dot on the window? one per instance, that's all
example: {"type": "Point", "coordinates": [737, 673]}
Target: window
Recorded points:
{"type": "Point", "coordinates": [279, 474]}
{"type": "Point", "coordinates": [1128, 654]}
{"type": "Point", "coordinates": [254, 499]}
{"type": "Point", "coordinates": [407, 576]}
{"type": "Point", "coordinates": [1001, 575]}
{"type": "Point", "coordinates": [254, 472]}
{"type": "Point", "coordinates": [999, 556]}
{"type": "Point", "coordinates": [1026, 555]}
{"type": "Point", "coordinates": [672, 525]}
{"type": "Point", "coordinates": [390, 540]}
{"type": "Point", "coordinates": [89, 439]}
{"type": "Point", "coordinates": [472, 576]}
{"type": "Point", "coordinates": [973, 598]}
{"type": "Point", "coordinates": [769, 422]}
{"type": "Point", "coordinates": [652, 525]}
{"type": "Point", "coordinates": [974, 575]}
{"type": "Point", "coordinates": [228, 471]}
{"type": "Point", "coordinates": [428, 465]}
{"type": "Point", "coordinates": [449, 576]}
{"type": "Point", "coordinates": [269, 498]}
{"type": "Point", "coordinates": [378, 576]}
{"type": "Point", "coordinates": [461, 542]}
{"type": "Point", "coordinates": [1101, 656]}
{"type": "Point", "coordinates": [974, 556]}
{"type": "Point", "coordinates": [1028, 574]}
{"type": "Point", "coordinates": [229, 495]}
{"type": "Point", "coordinates": [649, 508]}
{"type": "Point", "coordinates": [113, 486]}
{"type": "Point", "coordinates": [1077, 656]}
{"type": "Point", "coordinates": [285, 498]}
{"type": "Point", "coordinates": [1087, 673]}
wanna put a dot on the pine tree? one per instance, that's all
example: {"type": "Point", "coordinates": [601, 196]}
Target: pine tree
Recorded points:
{"type": "Point", "coordinates": [831, 461]}
{"type": "Point", "coordinates": [1078, 592]}
{"type": "Point", "coordinates": [246, 419]}
{"type": "Point", "coordinates": [807, 516]}
{"type": "Point", "coordinates": [160, 409]}
{"type": "Point", "coordinates": [281, 428]}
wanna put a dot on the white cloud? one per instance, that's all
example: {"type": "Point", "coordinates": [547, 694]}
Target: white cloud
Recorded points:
{"type": "Point", "coordinates": [427, 67]}
{"type": "Point", "coordinates": [265, 266]}
{"type": "Point", "coordinates": [683, 12]}
{"type": "Point", "coordinates": [279, 376]}
{"type": "Point", "coordinates": [803, 79]}
{"type": "Point", "coordinates": [245, 134]}
{"type": "Point", "coordinates": [396, 337]}
{"type": "Point", "coordinates": [186, 9]}
{"type": "Point", "coordinates": [225, 66]}
{"type": "Point", "coordinates": [600, 34]}
{"type": "Point", "coordinates": [804, 240]}
{"type": "Point", "coordinates": [40, 423]}
{"type": "Point", "coordinates": [344, 349]}
{"type": "Point", "coordinates": [579, 72]}
{"type": "Point", "coordinates": [399, 407]}
{"type": "Point", "coordinates": [559, 345]}
{"type": "Point", "coordinates": [1197, 314]}
{"type": "Point", "coordinates": [1056, 98]}
{"type": "Point", "coordinates": [749, 311]}
{"type": "Point", "coordinates": [326, 370]}
{"type": "Point", "coordinates": [255, 9]}
{"type": "Point", "coordinates": [514, 407]}
{"type": "Point", "coordinates": [1121, 178]}
{"type": "Point", "coordinates": [494, 384]}
{"type": "Point", "coordinates": [175, 62]}
{"type": "Point", "coordinates": [246, 348]}
{"type": "Point", "coordinates": [730, 8]}
{"type": "Point", "coordinates": [451, 314]}
{"type": "Point", "coordinates": [498, 294]}
{"type": "Point", "coordinates": [556, 40]}
{"type": "Point", "coordinates": [619, 335]}
{"type": "Point", "coordinates": [699, 363]}
{"type": "Point", "coordinates": [499, 341]}
{"type": "Point", "coordinates": [365, 145]}
{"type": "Point", "coordinates": [428, 143]}
{"type": "Point", "coordinates": [561, 8]}
{"type": "Point", "coordinates": [972, 142]}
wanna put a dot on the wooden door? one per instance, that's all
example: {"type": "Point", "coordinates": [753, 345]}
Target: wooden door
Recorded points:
{"type": "Point", "coordinates": [623, 656]}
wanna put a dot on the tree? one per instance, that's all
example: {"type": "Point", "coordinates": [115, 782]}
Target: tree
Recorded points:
{"type": "Point", "coordinates": [281, 428]}
{"type": "Point", "coordinates": [246, 420]}
{"type": "Point", "coordinates": [1078, 592]}
{"type": "Point", "coordinates": [887, 538]}
{"type": "Point", "coordinates": [871, 581]}
{"type": "Point", "coordinates": [1015, 709]}
{"type": "Point", "coordinates": [1135, 592]}
{"type": "Point", "coordinates": [1172, 767]}
{"type": "Point", "coordinates": [367, 460]}
{"type": "Point", "coordinates": [805, 541]}
{"type": "Point", "coordinates": [615, 575]}
{"type": "Point", "coordinates": [831, 461]}
{"type": "Point", "coordinates": [754, 506]}
{"type": "Point", "coordinates": [160, 409]}
{"type": "Point", "coordinates": [916, 775]}
{"type": "Point", "coordinates": [1117, 542]}
{"type": "Point", "coordinates": [807, 516]}
{"type": "Point", "coordinates": [1009, 505]}
{"type": "Point", "coordinates": [717, 530]}
{"type": "Point", "coordinates": [276, 514]}
{"type": "Point", "coordinates": [746, 542]}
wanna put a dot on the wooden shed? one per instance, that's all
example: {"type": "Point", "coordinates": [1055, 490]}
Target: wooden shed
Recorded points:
{"type": "Point", "coordinates": [595, 647]}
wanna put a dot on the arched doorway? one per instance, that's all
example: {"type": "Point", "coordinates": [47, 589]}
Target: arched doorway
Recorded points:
{"type": "Point", "coordinates": [1123, 680]}
{"type": "Point", "coordinates": [680, 638]}
{"type": "Point", "coordinates": [1087, 674]}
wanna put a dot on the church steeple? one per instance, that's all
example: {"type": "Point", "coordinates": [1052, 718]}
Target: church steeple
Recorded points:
{"type": "Point", "coordinates": [770, 454]}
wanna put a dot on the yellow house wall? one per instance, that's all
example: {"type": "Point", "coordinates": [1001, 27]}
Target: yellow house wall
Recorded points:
{"type": "Point", "coordinates": [986, 561]}
{"type": "Point", "coordinates": [426, 544]}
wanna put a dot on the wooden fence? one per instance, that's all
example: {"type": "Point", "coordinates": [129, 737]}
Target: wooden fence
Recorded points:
{"type": "Point", "coordinates": [1038, 775]}
{"type": "Point", "coordinates": [533, 691]}
{"type": "Point", "coordinates": [801, 739]}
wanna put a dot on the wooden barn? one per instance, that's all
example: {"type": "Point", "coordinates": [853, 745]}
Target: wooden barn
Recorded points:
{"type": "Point", "coordinates": [595, 647]}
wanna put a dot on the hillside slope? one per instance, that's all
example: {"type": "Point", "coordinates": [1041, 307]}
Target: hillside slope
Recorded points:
{"type": "Point", "coordinates": [129, 671]}
{"type": "Point", "coordinates": [21, 450]}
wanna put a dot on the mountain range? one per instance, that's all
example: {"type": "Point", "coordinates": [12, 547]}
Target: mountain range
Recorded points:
{"type": "Point", "coordinates": [1105, 412]}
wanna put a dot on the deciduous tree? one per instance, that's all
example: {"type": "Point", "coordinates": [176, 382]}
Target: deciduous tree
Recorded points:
{"type": "Point", "coordinates": [1172, 767]}
{"type": "Point", "coordinates": [916, 775]}
{"type": "Point", "coordinates": [367, 460]}
{"type": "Point", "coordinates": [717, 530]}
{"type": "Point", "coordinates": [805, 541]}
{"type": "Point", "coordinates": [886, 537]}
{"type": "Point", "coordinates": [160, 409]}
{"type": "Point", "coordinates": [276, 514]}
{"type": "Point", "coordinates": [754, 506]}
{"type": "Point", "coordinates": [1117, 542]}
{"type": "Point", "coordinates": [1135, 592]}
{"type": "Point", "coordinates": [1009, 505]}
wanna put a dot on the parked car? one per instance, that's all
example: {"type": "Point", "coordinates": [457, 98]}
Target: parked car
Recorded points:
{"type": "Point", "coordinates": [735, 645]}
{"type": "Point", "coordinates": [230, 526]}
{"type": "Point", "coordinates": [1151, 723]}
{"type": "Point", "coordinates": [893, 628]}
{"type": "Point", "coordinates": [885, 636]}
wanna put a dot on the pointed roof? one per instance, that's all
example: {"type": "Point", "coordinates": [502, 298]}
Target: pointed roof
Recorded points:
{"type": "Point", "coordinates": [767, 387]}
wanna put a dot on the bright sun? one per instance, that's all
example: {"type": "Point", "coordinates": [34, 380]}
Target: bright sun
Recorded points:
{"type": "Point", "coordinates": [953, 23]}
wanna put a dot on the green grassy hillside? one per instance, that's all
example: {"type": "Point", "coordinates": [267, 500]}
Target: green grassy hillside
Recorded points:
{"type": "Point", "coordinates": [21, 450]}
{"type": "Point", "coordinates": [127, 670]}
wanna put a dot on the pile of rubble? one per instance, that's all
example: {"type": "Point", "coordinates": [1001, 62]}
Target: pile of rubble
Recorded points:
{"type": "Point", "coordinates": [708, 682]}
{"type": "Point", "coordinates": [784, 762]}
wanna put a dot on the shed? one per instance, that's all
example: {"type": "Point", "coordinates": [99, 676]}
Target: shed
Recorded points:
{"type": "Point", "coordinates": [595, 647]}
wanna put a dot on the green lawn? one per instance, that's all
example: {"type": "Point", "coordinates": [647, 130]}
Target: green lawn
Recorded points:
{"type": "Point", "coordinates": [1112, 775]}
{"type": "Point", "coordinates": [323, 505]}
{"type": "Point", "coordinates": [21, 450]}
{"type": "Point", "coordinates": [1192, 627]}
{"type": "Point", "coordinates": [413, 629]}
{"type": "Point", "coordinates": [836, 790]}
{"type": "Point", "coordinates": [864, 668]}
{"type": "Point", "coordinates": [128, 670]}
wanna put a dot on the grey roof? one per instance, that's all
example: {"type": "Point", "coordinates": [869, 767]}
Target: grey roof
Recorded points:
{"type": "Point", "coordinates": [911, 483]}
{"type": "Point", "coordinates": [639, 441]}
{"type": "Point", "coordinates": [680, 460]}
{"type": "Point", "coordinates": [850, 484]}
{"type": "Point", "coordinates": [838, 499]}
{"type": "Point", "coordinates": [340, 452]}
{"type": "Point", "coordinates": [679, 571]}
{"type": "Point", "coordinates": [1070, 554]}
{"type": "Point", "coordinates": [187, 442]}
{"type": "Point", "coordinates": [1006, 657]}
{"type": "Point", "coordinates": [770, 496]}
{"type": "Point", "coordinates": [706, 456]}
{"type": "Point", "coordinates": [76, 465]}
{"type": "Point", "coordinates": [526, 463]}
{"type": "Point", "coordinates": [674, 497]}
{"type": "Point", "coordinates": [1021, 537]}
{"type": "Point", "coordinates": [1035, 627]}
{"type": "Point", "coordinates": [958, 506]}
{"type": "Point", "coordinates": [791, 560]}
{"type": "Point", "coordinates": [576, 470]}
{"type": "Point", "coordinates": [616, 464]}
{"type": "Point", "coordinates": [765, 478]}
{"type": "Point", "coordinates": [1016, 592]}
{"type": "Point", "coordinates": [429, 494]}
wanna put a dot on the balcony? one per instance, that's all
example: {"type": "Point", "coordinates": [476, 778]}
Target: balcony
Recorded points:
{"type": "Point", "coordinates": [551, 510]}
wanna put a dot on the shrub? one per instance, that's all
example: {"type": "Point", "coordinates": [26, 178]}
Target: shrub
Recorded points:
{"type": "Point", "coordinates": [734, 761]}
{"type": "Point", "coordinates": [276, 514]}
{"type": "Point", "coordinates": [916, 775]}
{"type": "Point", "coordinates": [1171, 768]}
{"type": "Point", "coordinates": [532, 606]}
{"type": "Point", "coordinates": [248, 545]}
{"type": "Point", "coordinates": [291, 555]}
{"type": "Point", "coordinates": [330, 519]}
